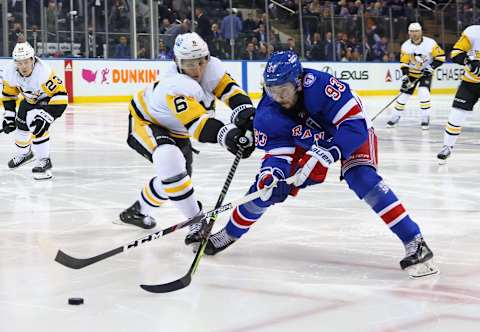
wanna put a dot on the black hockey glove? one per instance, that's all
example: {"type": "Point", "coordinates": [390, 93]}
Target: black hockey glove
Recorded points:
{"type": "Point", "coordinates": [242, 117]}
{"type": "Point", "coordinates": [41, 122]}
{"type": "Point", "coordinates": [8, 124]}
{"type": "Point", "coordinates": [407, 83]}
{"type": "Point", "coordinates": [474, 67]}
{"type": "Point", "coordinates": [427, 73]}
{"type": "Point", "coordinates": [232, 138]}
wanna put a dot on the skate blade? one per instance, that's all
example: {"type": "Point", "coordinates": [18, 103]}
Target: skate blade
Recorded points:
{"type": "Point", "coordinates": [425, 127]}
{"type": "Point", "coordinates": [422, 270]}
{"type": "Point", "coordinates": [121, 223]}
{"type": "Point", "coordinates": [442, 161]}
{"type": "Point", "coordinates": [43, 176]}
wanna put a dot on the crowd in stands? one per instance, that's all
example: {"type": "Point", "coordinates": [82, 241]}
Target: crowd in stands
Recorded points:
{"type": "Point", "coordinates": [360, 29]}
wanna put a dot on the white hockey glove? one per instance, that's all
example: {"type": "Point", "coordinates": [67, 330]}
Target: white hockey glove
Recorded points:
{"type": "Point", "coordinates": [326, 157]}
{"type": "Point", "coordinates": [8, 124]}
{"type": "Point", "coordinates": [41, 122]}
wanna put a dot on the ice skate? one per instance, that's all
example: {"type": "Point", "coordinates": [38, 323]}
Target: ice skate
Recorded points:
{"type": "Point", "coordinates": [418, 261]}
{"type": "Point", "coordinates": [425, 124]}
{"type": "Point", "coordinates": [20, 159]}
{"type": "Point", "coordinates": [393, 122]}
{"type": "Point", "coordinates": [196, 230]}
{"type": "Point", "coordinates": [133, 216]}
{"type": "Point", "coordinates": [42, 169]}
{"type": "Point", "coordinates": [444, 153]}
{"type": "Point", "coordinates": [219, 242]}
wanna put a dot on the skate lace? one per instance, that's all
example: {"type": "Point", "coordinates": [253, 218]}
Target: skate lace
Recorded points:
{"type": "Point", "coordinates": [221, 239]}
{"type": "Point", "coordinates": [412, 246]}
{"type": "Point", "coordinates": [446, 150]}
{"type": "Point", "coordinates": [42, 163]}
{"type": "Point", "coordinates": [19, 158]}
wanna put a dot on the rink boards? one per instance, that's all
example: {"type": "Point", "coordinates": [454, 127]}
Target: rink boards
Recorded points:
{"type": "Point", "coordinates": [117, 80]}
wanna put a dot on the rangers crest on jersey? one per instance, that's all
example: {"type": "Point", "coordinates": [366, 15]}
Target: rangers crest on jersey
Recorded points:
{"type": "Point", "coordinates": [308, 80]}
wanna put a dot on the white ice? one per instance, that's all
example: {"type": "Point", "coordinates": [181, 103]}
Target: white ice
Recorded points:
{"type": "Point", "coordinates": [320, 262]}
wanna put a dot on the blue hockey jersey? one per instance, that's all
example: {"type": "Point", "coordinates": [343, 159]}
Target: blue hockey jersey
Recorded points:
{"type": "Point", "coordinates": [327, 113]}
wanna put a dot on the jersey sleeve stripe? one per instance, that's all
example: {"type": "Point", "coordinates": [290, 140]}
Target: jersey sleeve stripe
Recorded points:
{"type": "Point", "coordinates": [350, 109]}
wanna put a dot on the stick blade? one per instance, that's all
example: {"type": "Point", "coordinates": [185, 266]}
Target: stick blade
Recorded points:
{"type": "Point", "coordinates": [170, 286]}
{"type": "Point", "coordinates": [80, 263]}
{"type": "Point", "coordinates": [71, 262]}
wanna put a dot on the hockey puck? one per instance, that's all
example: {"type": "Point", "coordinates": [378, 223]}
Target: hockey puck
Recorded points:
{"type": "Point", "coordinates": [75, 300]}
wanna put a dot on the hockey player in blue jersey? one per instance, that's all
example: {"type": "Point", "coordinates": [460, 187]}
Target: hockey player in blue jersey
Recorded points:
{"type": "Point", "coordinates": [306, 121]}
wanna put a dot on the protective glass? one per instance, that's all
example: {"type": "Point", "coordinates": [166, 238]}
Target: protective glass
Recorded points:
{"type": "Point", "coordinates": [281, 92]}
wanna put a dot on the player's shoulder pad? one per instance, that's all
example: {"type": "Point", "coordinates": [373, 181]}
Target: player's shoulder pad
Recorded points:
{"type": "Point", "coordinates": [214, 72]}
{"type": "Point", "coordinates": [472, 32]}
{"type": "Point", "coordinates": [182, 85]}
{"type": "Point", "coordinates": [313, 80]}
{"type": "Point", "coordinates": [42, 71]}
{"type": "Point", "coordinates": [429, 41]}
{"type": "Point", "coordinates": [9, 71]}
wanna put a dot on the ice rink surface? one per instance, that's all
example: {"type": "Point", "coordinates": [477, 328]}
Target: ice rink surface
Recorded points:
{"type": "Point", "coordinates": [320, 262]}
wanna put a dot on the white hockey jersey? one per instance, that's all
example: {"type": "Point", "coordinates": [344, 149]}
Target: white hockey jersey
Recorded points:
{"type": "Point", "coordinates": [181, 104]}
{"type": "Point", "coordinates": [419, 56]}
{"type": "Point", "coordinates": [469, 43]}
{"type": "Point", "coordinates": [41, 85]}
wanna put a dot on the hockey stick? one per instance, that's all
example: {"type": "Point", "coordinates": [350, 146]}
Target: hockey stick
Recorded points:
{"type": "Point", "coordinates": [79, 263]}
{"type": "Point", "coordinates": [187, 278]}
{"type": "Point", "coordinates": [393, 100]}
{"type": "Point", "coordinates": [387, 106]}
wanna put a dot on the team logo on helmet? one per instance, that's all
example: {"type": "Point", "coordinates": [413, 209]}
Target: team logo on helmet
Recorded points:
{"type": "Point", "coordinates": [272, 67]}
{"type": "Point", "coordinates": [308, 80]}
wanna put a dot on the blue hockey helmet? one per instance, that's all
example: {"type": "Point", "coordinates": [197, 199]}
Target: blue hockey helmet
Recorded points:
{"type": "Point", "coordinates": [282, 67]}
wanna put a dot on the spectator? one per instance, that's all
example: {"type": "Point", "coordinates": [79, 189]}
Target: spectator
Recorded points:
{"type": "Point", "coordinates": [250, 52]}
{"type": "Point", "coordinates": [165, 26]}
{"type": "Point", "coordinates": [314, 7]}
{"type": "Point", "coordinates": [52, 15]}
{"type": "Point", "coordinates": [316, 52]}
{"type": "Point", "coordinates": [328, 47]}
{"type": "Point", "coordinates": [122, 49]}
{"type": "Point", "coordinates": [163, 52]}
{"type": "Point", "coordinates": [231, 26]}
{"type": "Point", "coordinates": [217, 44]}
{"type": "Point", "coordinates": [178, 28]}
{"type": "Point", "coordinates": [203, 25]}
{"type": "Point", "coordinates": [260, 33]}
{"type": "Point", "coordinates": [263, 51]}
{"type": "Point", "coordinates": [291, 45]}
{"type": "Point", "coordinates": [119, 16]}
{"type": "Point", "coordinates": [250, 23]}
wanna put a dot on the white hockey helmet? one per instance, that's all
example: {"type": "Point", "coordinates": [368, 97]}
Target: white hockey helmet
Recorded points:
{"type": "Point", "coordinates": [189, 46]}
{"type": "Point", "coordinates": [23, 51]}
{"type": "Point", "coordinates": [415, 26]}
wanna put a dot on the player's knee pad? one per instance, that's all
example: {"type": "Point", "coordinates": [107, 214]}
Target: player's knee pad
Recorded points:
{"type": "Point", "coordinates": [23, 138]}
{"type": "Point", "coordinates": [168, 161]}
{"type": "Point", "coordinates": [361, 179]}
{"type": "Point", "coordinates": [171, 169]}
{"type": "Point", "coordinates": [423, 93]}
{"type": "Point", "coordinates": [403, 98]}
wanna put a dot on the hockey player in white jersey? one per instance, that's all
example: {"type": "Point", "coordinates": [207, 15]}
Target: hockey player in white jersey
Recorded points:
{"type": "Point", "coordinates": [465, 52]}
{"type": "Point", "coordinates": [420, 56]}
{"type": "Point", "coordinates": [44, 100]}
{"type": "Point", "coordinates": [165, 115]}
